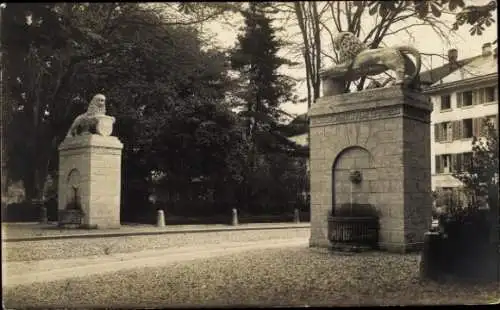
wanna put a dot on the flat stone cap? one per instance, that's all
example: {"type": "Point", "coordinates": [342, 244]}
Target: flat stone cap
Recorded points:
{"type": "Point", "coordinates": [89, 140]}
{"type": "Point", "coordinates": [369, 99]}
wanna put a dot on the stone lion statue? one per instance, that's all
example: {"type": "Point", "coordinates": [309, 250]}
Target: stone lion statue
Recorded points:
{"type": "Point", "coordinates": [87, 122]}
{"type": "Point", "coordinates": [360, 61]}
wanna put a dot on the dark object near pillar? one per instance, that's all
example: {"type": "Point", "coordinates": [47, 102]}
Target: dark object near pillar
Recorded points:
{"type": "Point", "coordinates": [43, 215]}
{"type": "Point", "coordinates": [430, 264]}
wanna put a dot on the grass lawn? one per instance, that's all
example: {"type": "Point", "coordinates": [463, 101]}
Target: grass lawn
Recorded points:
{"type": "Point", "coordinates": [294, 276]}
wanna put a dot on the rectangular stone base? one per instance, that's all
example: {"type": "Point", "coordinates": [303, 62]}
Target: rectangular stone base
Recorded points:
{"type": "Point", "coordinates": [94, 164]}
{"type": "Point", "coordinates": [315, 243]}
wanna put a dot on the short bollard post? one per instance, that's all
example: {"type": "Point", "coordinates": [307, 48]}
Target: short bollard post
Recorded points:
{"type": "Point", "coordinates": [234, 221]}
{"type": "Point", "coordinates": [296, 217]}
{"type": "Point", "coordinates": [160, 219]}
{"type": "Point", "coordinates": [43, 215]}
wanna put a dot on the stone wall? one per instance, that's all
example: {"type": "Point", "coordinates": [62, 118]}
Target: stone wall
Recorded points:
{"type": "Point", "coordinates": [392, 125]}
{"type": "Point", "coordinates": [98, 160]}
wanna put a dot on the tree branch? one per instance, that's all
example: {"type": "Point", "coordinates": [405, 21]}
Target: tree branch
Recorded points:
{"type": "Point", "coordinates": [328, 56]}
{"type": "Point", "coordinates": [348, 13]}
{"type": "Point", "coordinates": [405, 28]}
{"type": "Point", "coordinates": [333, 16]}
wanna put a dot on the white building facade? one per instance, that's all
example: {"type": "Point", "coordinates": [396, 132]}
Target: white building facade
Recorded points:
{"type": "Point", "coordinates": [462, 100]}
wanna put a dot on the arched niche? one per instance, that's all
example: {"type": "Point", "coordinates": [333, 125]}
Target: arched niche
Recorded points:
{"type": "Point", "coordinates": [73, 192]}
{"type": "Point", "coordinates": [347, 162]}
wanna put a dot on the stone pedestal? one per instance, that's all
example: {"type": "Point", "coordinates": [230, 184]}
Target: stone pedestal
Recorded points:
{"type": "Point", "coordinates": [90, 173]}
{"type": "Point", "coordinates": [385, 134]}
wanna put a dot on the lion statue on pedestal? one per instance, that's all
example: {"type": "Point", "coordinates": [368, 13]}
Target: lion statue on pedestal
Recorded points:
{"type": "Point", "coordinates": [88, 121]}
{"type": "Point", "coordinates": [358, 60]}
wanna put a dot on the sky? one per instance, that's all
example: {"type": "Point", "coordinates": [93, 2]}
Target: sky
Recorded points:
{"type": "Point", "coordinates": [421, 37]}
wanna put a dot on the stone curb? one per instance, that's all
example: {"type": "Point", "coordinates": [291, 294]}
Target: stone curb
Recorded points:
{"type": "Point", "coordinates": [152, 233]}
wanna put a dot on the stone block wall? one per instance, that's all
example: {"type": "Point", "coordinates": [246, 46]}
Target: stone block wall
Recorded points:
{"type": "Point", "coordinates": [417, 160]}
{"type": "Point", "coordinates": [98, 160]}
{"type": "Point", "coordinates": [383, 123]}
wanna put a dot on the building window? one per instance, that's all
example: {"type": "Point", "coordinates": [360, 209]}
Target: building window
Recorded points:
{"type": "Point", "coordinates": [449, 131]}
{"type": "Point", "coordinates": [443, 132]}
{"type": "Point", "coordinates": [489, 94]}
{"type": "Point", "coordinates": [443, 163]}
{"type": "Point", "coordinates": [445, 102]}
{"type": "Point", "coordinates": [465, 99]}
{"type": "Point", "coordinates": [446, 163]}
{"type": "Point", "coordinates": [467, 128]}
{"type": "Point", "coordinates": [466, 161]}
{"type": "Point", "coordinates": [493, 120]}
{"type": "Point", "coordinates": [461, 161]}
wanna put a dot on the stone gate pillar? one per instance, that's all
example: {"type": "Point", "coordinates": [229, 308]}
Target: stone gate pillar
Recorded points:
{"type": "Point", "coordinates": [90, 169]}
{"type": "Point", "coordinates": [386, 132]}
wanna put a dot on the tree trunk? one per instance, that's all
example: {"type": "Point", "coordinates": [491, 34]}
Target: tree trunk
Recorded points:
{"type": "Point", "coordinates": [299, 12]}
{"type": "Point", "coordinates": [317, 51]}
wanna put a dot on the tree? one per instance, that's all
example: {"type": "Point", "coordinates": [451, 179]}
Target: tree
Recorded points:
{"type": "Point", "coordinates": [263, 89]}
{"type": "Point", "coordinates": [59, 55]}
{"type": "Point", "coordinates": [480, 176]}
{"type": "Point", "coordinates": [391, 17]}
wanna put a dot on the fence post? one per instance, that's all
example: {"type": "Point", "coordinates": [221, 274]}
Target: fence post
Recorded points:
{"type": "Point", "coordinates": [43, 215]}
{"type": "Point", "coordinates": [296, 216]}
{"type": "Point", "coordinates": [234, 220]}
{"type": "Point", "coordinates": [160, 219]}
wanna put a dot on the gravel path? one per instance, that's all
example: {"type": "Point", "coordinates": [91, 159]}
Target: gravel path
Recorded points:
{"type": "Point", "coordinates": [18, 273]}
{"type": "Point", "coordinates": [294, 276]}
{"type": "Point", "coordinates": [67, 248]}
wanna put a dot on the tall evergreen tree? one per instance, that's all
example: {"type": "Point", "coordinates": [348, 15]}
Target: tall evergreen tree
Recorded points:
{"type": "Point", "coordinates": [263, 88]}
{"type": "Point", "coordinates": [256, 59]}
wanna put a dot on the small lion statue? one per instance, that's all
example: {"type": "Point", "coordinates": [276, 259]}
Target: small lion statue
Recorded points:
{"type": "Point", "coordinates": [87, 122]}
{"type": "Point", "coordinates": [359, 60]}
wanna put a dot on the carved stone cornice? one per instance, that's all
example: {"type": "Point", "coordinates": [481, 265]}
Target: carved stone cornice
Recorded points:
{"type": "Point", "coordinates": [370, 105]}
{"type": "Point", "coordinates": [354, 116]}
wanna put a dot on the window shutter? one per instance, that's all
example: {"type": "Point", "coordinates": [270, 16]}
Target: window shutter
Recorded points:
{"type": "Point", "coordinates": [476, 129]}
{"type": "Point", "coordinates": [459, 162]}
{"type": "Point", "coordinates": [480, 96]}
{"type": "Point", "coordinates": [456, 130]}
{"type": "Point", "coordinates": [459, 99]}
{"type": "Point", "coordinates": [436, 133]}
{"type": "Point", "coordinates": [460, 129]}
{"type": "Point", "coordinates": [475, 96]}
{"type": "Point", "coordinates": [438, 163]}
{"type": "Point", "coordinates": [453, 162]}
{"type": "Point", "coordinates": [482, 125]}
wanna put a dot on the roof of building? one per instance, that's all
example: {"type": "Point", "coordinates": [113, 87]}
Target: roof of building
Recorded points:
{"type": "Point", "coordinates": [479, 66]}
{"type": "Point", "coordinates": [433, 75]}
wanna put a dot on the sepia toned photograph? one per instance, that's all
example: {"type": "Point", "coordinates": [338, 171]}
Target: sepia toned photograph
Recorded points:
{"type": "Point", "coordinates": [249, 154]}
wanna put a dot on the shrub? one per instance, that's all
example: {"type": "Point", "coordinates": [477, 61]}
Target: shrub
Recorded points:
{"type": "Point", "coordinates": [21, 212]}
